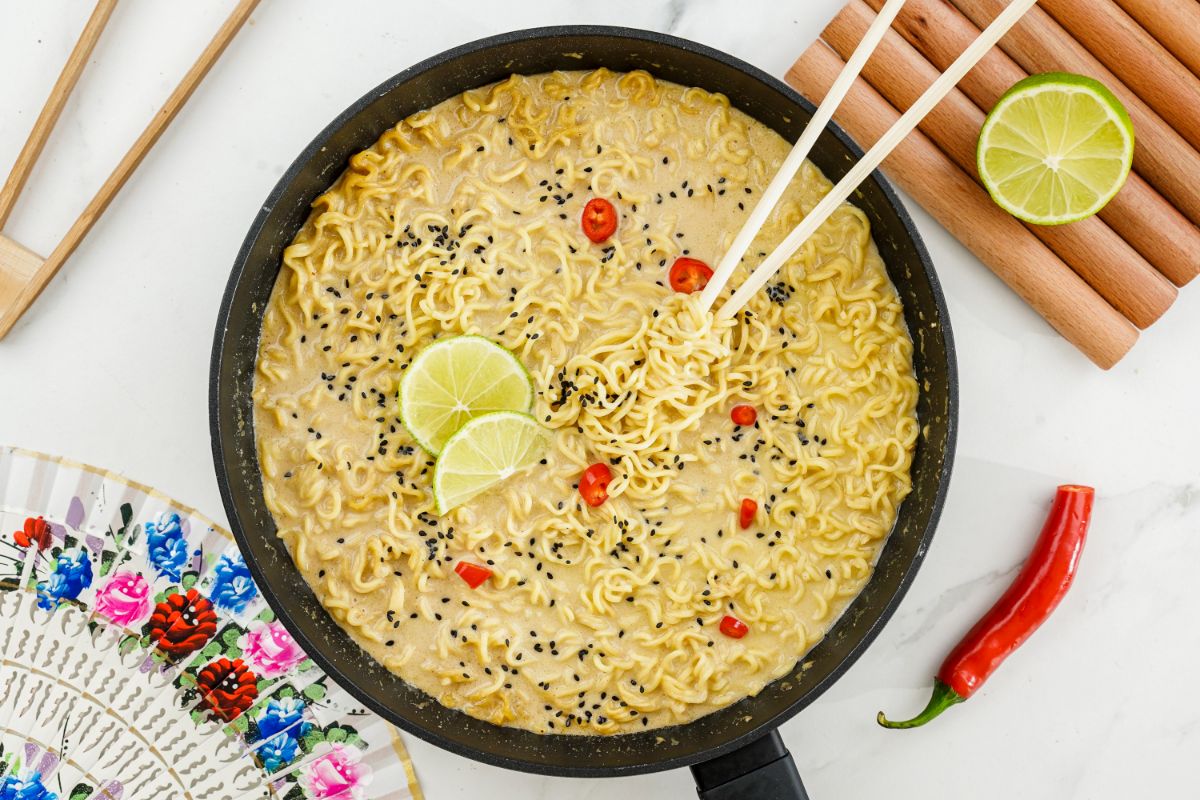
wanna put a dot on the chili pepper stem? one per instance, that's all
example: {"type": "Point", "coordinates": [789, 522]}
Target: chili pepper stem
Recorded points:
{"type": "Point", "coordinates": [943, 698]}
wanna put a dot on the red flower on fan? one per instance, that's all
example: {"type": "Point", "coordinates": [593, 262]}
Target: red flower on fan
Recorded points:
{"type": "Point", "coordinates": [181, 624]}
{"type": "Point", "coordinates": [36, 532]}
{"type": "Point", "coordinates": [227, 688]}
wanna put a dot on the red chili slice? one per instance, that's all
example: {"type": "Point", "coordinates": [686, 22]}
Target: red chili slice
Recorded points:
{"type": "Point", "coordinates": [743, 415]}
{"type": "Point", "coordinates": [599, 219]}
{"type": "Point", "coordinates": [473, 574]}
{"type": "Point", "coordinates": [733, 627]}
{"type": "Point", "coordinates": [689, 275]}
{"type": "Point", "coordinates": [593, 484]}
{"type": "Point", "coordinates": [746, 513]}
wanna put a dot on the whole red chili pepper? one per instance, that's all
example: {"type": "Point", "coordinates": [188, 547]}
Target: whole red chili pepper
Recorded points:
{"type": "Point", "coordinates": [1035, 593]}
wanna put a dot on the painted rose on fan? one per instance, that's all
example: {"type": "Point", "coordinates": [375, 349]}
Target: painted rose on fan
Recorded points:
{"type": "Point", "coordinates": [168, 545]}
{"type": "Point", "coordinates": [227, 688]}
{"type": "Point", "coordinates": [270, 649]}
{"type": "Point", "coordinates": [233, 588]}
{"type": "Point", "coordinates": [72, 573]}
{"type": "Point", "coordinates": [125, 599]}
{"type": "Point", "coordinates": [335, 774]}
{"type": "Point", "coordinates": [25, 784]}
{"type": "Point", "coordinates": [280, 728]}
{"type": "Point", "coordinates": [283, 714]}
{"type": "Point", "coordinates": [181, 624]}
{"type": "Point", "coordinates": [277, 753]}
{"type": "Point", "coordinates": [36, 531]}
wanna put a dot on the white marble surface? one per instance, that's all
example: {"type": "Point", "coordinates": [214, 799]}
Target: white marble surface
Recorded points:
{"type": "Point", "coordinates": [111, 368]}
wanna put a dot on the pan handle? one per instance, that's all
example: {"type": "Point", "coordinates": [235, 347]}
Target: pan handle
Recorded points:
{"type": "Point", "coordinates": [761, 770]}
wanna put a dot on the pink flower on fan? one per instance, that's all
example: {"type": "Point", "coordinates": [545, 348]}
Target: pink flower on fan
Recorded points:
{"type": "Point", "coordinates": [336, 774]}
{"type": "Point", "coordinates": [269, 649]}
{"type": "Point", "coordinates": [125, 599]}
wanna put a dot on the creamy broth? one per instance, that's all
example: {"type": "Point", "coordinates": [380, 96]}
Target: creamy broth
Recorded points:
{"type": "Point", "coordinates": [466, 219]}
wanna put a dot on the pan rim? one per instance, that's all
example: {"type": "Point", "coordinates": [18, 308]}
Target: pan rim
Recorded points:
{"type": "Point", "coordinates": [219, 418]}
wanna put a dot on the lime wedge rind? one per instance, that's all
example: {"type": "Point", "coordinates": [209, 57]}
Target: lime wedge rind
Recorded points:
{"type": "Point", "coordinates": [1055, 149]}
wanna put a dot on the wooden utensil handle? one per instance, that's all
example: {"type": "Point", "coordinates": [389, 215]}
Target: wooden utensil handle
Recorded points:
{"type": "Point", "coordinates": [1136, 58]}
{"type": "Point", "coordinates": [1154, 227]}
{"type": "Point", "coordinates": [1174, 23]}
{"type": "Point", "coordinates": [878, 152]}
{"type": "Point", "coordinates": [1039, 44]}
{"type": "Point", "coordinates": [1089, 247]}
{"type": "Point", "coordinates": [128, 164]}
{"type": "Point", "coordinates": [53, 107]}
{"type": "Point", "coordinates": [945, 191]}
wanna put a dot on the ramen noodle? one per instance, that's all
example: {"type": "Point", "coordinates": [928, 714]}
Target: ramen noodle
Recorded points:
{"type": "Point", "coordinates": [465, 218]}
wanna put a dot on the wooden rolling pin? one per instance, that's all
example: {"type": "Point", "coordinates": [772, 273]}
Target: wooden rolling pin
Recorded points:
{"type": "Point", "coordinates": [1153, 226]}
{"type": "Point", "coordinates": [1091, 248]}
{"type": "Point", "coordinates": [1174, 23]}
{"type": "Point", "coordinates": [1043, 281]}
{"type": "Point", "coordinates": [1136, 58]}
{"type": "Point", "coordinates": [1039, 44]}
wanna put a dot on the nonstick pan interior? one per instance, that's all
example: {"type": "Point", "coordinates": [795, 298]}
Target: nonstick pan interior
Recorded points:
{"type": "Point", "coordinates": [235, 349]}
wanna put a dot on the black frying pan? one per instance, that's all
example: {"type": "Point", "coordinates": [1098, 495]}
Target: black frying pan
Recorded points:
{"type": "Point", "coordinates": [735, 752]}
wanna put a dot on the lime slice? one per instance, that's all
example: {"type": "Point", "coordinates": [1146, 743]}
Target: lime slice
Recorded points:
{"type": "Point", "coordinates": [1055, 149]}
{"type": "Point", "coordinates": [453, 380]}
{"type": "Point", "coordinates": [484, 452]}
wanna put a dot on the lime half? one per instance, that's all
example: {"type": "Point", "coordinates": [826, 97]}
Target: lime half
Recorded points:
{"type": "Point", "coordinates": [484, 452]}
{"type": "Point", "coordinates": [454, 380]}
{"type": "Point", "coordinates": [1055, 149]}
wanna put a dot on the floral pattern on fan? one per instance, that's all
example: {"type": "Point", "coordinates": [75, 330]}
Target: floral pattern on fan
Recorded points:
{"type": "Point", "coordinates": [168, 544]}
{"type": "Point", "coordinates": [181, 624]}
{"type": "Point", "coordinates": [233, 588]}
{"type": "Point", "coordinates": [336, 773]}
{"type": "Point", "coordinates": [147, 606]}
{"type": "Point", "coordinates": [35, 530]}
{"type": "Point", "coordinates": [281, 726]}
{"type": "Point", "coordinates": [70, 575]}
{"type": "Point", "coordinates": [270, 649]}
{"type": "Point", "coordinates": [24, 784]}
{"type": "Point", "coordinates": [124, 599]}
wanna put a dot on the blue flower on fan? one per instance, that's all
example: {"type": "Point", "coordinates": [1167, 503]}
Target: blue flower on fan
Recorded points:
{"type": "Point", "coordinates": [25, 785]}
{"type": "Point", "coordinates": [277, 753]}
{"type": "Point", "coordinates": [281, 726]}
{"type": "Point", "coordinates": [233, 588]}
{"type": "Point", "coordinates": [168, 545]}
{"type": "Point", "coordinates": [71, 575]}
{"type": "Point", "coordinates": [282, 714]}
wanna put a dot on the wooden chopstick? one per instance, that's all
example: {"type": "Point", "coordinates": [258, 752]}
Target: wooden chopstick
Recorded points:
{"type": "Point", "coordinates": [53, 107]}
{"type": "Point", "coordinates": [128, 164]}
{"type": "Point", "coordinates": [875, 156]}
{"type": "Point", "coordinates": [1038, 276]}
{"type": "Point", "coordinates": [1142, 216]}
{"type": "Point", "coordinates": [795, 159]}
{"type": "Point", "coordinates": [1090, 247]}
